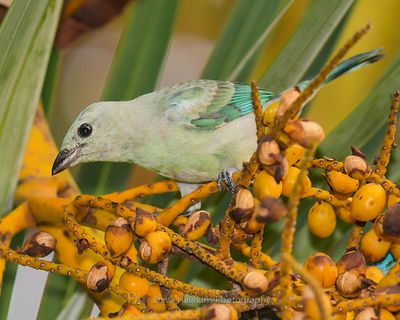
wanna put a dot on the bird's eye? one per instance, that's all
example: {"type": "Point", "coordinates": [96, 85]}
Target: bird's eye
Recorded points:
{"type": "Point", "coordinates": [85, 130]}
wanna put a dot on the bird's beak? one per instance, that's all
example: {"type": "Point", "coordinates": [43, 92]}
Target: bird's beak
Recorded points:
{"type": "Point", "coordinates": [65, 158]}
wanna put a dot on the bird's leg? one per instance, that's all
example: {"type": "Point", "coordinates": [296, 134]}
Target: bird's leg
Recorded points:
{"type": "Point", "coordinates": [226, 177]}
{"type": "Point", "coordinates": [185, 189]}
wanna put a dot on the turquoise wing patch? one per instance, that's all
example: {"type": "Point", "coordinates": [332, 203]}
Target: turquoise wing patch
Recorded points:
{"type": "Point", "coordinates": [239, 105]}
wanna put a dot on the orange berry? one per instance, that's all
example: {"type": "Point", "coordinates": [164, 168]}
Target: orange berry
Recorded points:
{"type": "Point", "coordinates": [341, 182]}
{"type": "Point", "coordinates": [155, 247]}
{"type": "Point", "coordinates": [368, 202]}
{"type": "Point", "coordinates": [144, 223]}
{"type": "Point", "coordinates": [374, 248]}
{"type": "Point", "coordinates": [270, 113]}
{"type": "Point", "coordinates": [265, 186]}
{"type": "Point", "coordinates": [155, 299]}
{"type": "Point", "coordinates": [294, 153]}
{"type": "Point", "coordinates": [311, 308]}
{"type": "Point", "coordinates": [134, 284]}
{"type": "Point", "coordinates": [386, 315]}
{"type": "Point", "coordinates": [374, 273]}
{"type": "Point", "coordinates": [344, 214]}
{"type": "Point", "coordinates": [322, 267]}
{"type": "Point", "coordinates": [118, 237]}
{"type": "Point", "coordinates": [322, 219]}
{"type": "Point", "coordinates": [291, 179]}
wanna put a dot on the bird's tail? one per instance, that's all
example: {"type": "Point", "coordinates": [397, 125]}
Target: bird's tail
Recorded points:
{"type": "Point", "coordinates": [355, 63]}
{"type": "Point", "coordinates": [349, 65]}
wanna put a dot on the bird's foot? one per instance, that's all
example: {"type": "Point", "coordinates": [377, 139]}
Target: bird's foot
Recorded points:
{"type": "Point", "coordinates": [226, 177]}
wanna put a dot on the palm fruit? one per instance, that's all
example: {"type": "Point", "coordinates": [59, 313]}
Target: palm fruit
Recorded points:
{"type": "Point", "coordinates": [118, 237]}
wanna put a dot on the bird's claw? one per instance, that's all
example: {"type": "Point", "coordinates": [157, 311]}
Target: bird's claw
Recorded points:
{"type": "Point", "coordinates": [226, 177]}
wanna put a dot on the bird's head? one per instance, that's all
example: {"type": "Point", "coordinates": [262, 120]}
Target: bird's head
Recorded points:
{"type": "Point", "coordinates": [87, 138]}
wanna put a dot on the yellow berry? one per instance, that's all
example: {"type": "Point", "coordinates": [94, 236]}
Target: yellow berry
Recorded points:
{"type": "Point", "coordinates": [374, 248]}
{"type": "Point", "coordinates": [339, 316]}
{"type": "Point", "coordinates": [270, 113]}
{"type": "Point", "coordinates": [374, 273]}
{"type": "Point", "coordinates": [128, 310]}
{"type": "Point", "coordinates": [386, 315]}
{"type": "Point", "coordinates": [155, 299]}
{"type": "Point", "coordinates": [155, 247]}
{"type": "Point", "coordinates": [341, 182]}
{"type": "Point", "coordinates": [391, 279]}
{"type": "Point", "coordinates": [322, 219]}
{"type": "Point", "coordinates": [322, 267]}
{"type": "Point", "coordinates": [144, 223]}
{"type": "Point", "coordinates": [180, 223]}
{"type": "Point", "coordinates": [135, 284]}
{"type": "Point", "coordinates": [294, 153]}
{"type": "Point", "coordinates": [311, 308]}
{"type": "Point", "coordinates": [266, 186]}
{"type": "Point", "coordinates": [368, 202]}
{"type": "Point", "coordinates": [344, 214]}
{"type": "Point", "coordinates": [118, 237]}
{"type": "Point", "coordinates": [291, 179]}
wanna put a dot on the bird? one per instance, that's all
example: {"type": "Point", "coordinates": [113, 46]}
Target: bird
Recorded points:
{"type": "Point", "coordinates": [192, 132]}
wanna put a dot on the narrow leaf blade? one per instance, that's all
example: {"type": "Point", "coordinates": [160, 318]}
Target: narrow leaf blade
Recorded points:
{"type": "Point", "coordinates": [319, 22]}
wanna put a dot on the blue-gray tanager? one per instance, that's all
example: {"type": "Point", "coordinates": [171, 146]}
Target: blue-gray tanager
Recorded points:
{"type": "Point", "coordinates": [189, 132]}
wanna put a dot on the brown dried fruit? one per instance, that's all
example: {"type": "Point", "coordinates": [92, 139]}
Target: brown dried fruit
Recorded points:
{"type": "Point", "coordinates": [305, 132]}
{"type": "Point", "coordinates": [99, 277]}
{"type": "Point", "coordinates": [39, 245]}
{"type": "Point", "coordinates": [255, 282]}
{"type": "Point", "coordinates": [286, 100]}
{"type": "Point", "coordinates": [267, 151]}
{"type": "Point", "coordinates": [351, 259]}
{"type": "Point", "coordinates": [391, 223]}
{"type": "Point", "coordinates": [242, 205]}
{"type": "Point", "coordinates": [270, 210]}
{"type": "Point", "coordinates": [197, 225]}
{"type": "Point", "coordinates": [220, 312]}
{"type": "Point", "coordinates": [350, 283]}
{"type": "Point", "coordinates": [356, 167]}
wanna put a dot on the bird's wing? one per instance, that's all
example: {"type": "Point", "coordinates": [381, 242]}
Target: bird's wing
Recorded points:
{"type": "Point", "coordinates": [208, 104]}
